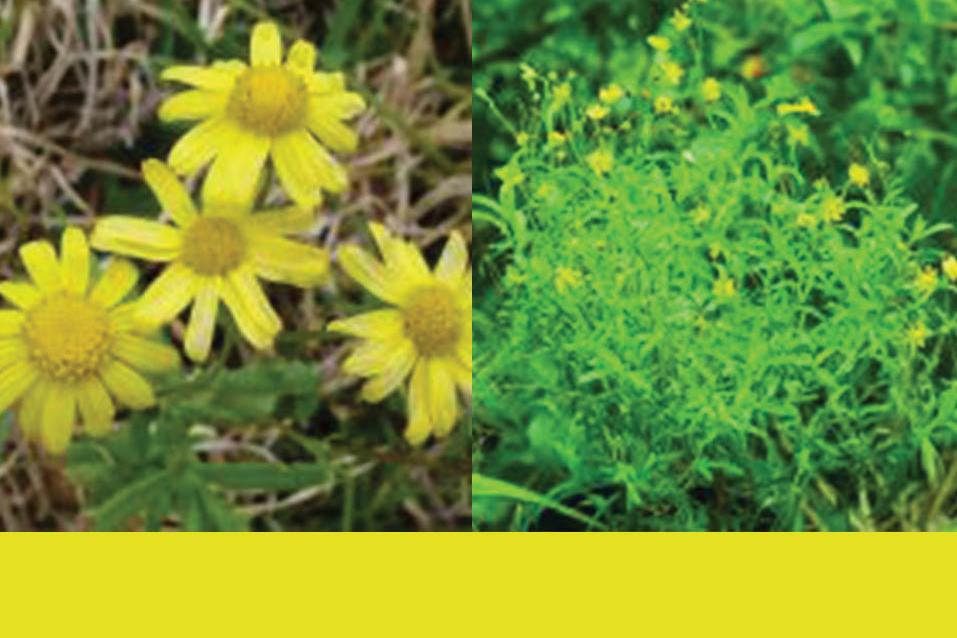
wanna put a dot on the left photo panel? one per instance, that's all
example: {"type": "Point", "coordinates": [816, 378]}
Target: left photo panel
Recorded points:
{"type": "Point", "coordinates": [235, 265]}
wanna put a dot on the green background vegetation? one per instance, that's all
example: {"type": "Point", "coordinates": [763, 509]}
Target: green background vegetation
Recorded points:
{"type": "Point", "coordinates": [247, 441]}
{"type": "Point", "coordinates": [616, 386]}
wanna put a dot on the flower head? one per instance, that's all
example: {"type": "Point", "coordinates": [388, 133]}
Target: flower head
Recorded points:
{"type": "Point", "coordinates": [70, 349]}
{"type": "Point", "coordinates": [611, 94]}
{"type": "Point", "coordinates": [803, 106]}
{"type": "Point", "coordinates": [600, 161]}
{"type": "Point", "coordinates": [859, 175]}
{"type": "Point", "coordinates": [711, 90]}
{"type": "Point", "coordinates": [926, 280]}
{"type": "Point", "coordinates": [596, 112]}
{"type": "Point", "coordinates": [659, 43]}
{"type": "Point", "coordinates": [567, 278]}
{"type": "Point", "coordinates": [214, 255]}
{"type": "Point", "coordinates": [724, 288]}
{"type": "Point", "coordinates": [949, 267]}
{"type": "Point", "coordinates": [753, 67]}
{"type": "Point", "coordinates": [673, 71]}
{"type": "Point", "coordinates": [427, 335]}
{"type": "Point", "coordinates": [265, 109]}
{"type": "Point", "coordinates": [917, 334]}
{"type": "Point", "coordinates": [834, 209]}
{"type": "Point", "coordinates": [664, 104]}
{"type": "Point", "coordinates": [680, 20]}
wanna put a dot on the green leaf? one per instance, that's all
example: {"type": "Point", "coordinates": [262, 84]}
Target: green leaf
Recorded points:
{"type": "Point", "coordinates": [129, 501]}
{"type": "Point", "coordinates": [488, 487]}
{"type": "Point", "coordinates": [263, 476]}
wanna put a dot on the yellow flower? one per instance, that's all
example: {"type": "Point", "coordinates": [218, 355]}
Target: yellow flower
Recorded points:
{"type": "Point", "coordinates": [753, 67]}
{"type": "Point", "coordinates": [596, 112]}
{"type": "Point", "coordinates": [798, 135]}
{"type": "Point", "coordinates": [917, 334]}
{"type": "Point", "coordinates": [702, 214]}
{"type": "Point", "coordinates": [926, 280]}
{"type": "Point", "coordinates": [833, 209]}
{"type": "Point", "coordinates": [566, 279]}
{"type": "Point", "coordinates": [611, 94]}
{"type": "Point", "coordinates": [724, 288]}
{"type": "Point", "coordinates": [949, 266]}
{"type": "Point", "coordinates": [673, 71]}
{"type": "Point", "coordinates": [600, 161]}
{"type": "Point", "coordinates": [680, 20]}
{"type": "Point", "coordinates": [711, 90]}
{"type": "Point", "coordinates": [659, 43]}
{"type": "Point", "coordinates": [428, 334]}
{"type": "Point", "coordinates": [266, 109]}
{"type": "Point", "coordinates": [214, 255]}
{"type": "Point", "coordinates": [521, 139]}
{"type": "Point", "coordinates": [806, 220]}
{"type": "Point", "coordinates": [664, 104]}
{"type": "Point", "coordinates": [556, 139]}
{"type": "Point", "coordinates": [71, 349]}
{"type": "Point", "coordinates": [858, 175]}
{"type": "Point", "coordinates": [562, 94]}
{"type": "Point", "coordinates": [804, 106]}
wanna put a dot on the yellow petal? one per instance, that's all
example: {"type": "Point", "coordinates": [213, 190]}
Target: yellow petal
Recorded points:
{"type": "Point", "coordinates": [369, 272]}
{"type": "Point", "coordinates": [301, 57]}
{"type": "Point", "coordinates": [58, 417]}
{"type": "Point", "coordinates": [169, 191]}
{"type": "Point", "coordinates": [96, 407]}
{"type": "Point", "coordinates": [420, 421]}
{"type": "Point", "coordinates": [461, 375]}
{"type": "Point", "coordinates": [193, 105]}
{"type": "Point", "coordinates": [200, 144]}
{"type": "Point", "coordinates": [218, 77]}
{"type": "Point", "coordinates": [392, 374]}
{"type": "Point", "coordinates": [291, 262]}
{"type": "Point", "coordinates": [136, 237]}
{"type": "Point", "coordinates": [330, 130]}
{"type": "Point", "coordinates": [167, 295]}
{"type": "Point", "coordinates": [202, 320]}
{"type": "Point", "coordinates": [304, 168]}
{"type": "Point", "coordinates": [75, 256]}
{"type": "Point", "coordinates": [464, 347]}
{"type": "Point", "coordinates": [372, 357]}
{"type": "Point", "coordinates": [116, 282]}
{"type": "Point", "coordinates": [250, 309]}
{"type": "Point", "coordinates": [265, 45]}
{"type": "Point", "coordinates": [11, 323]}
{"type": "Point", "coordinates": [325, 83]}
{"type": "Point", "coordinates": [339, 106]}
{"type": "Point", "coordinates": [402, 259]}
{"type": "Point", "coordinates": [41, 263]}
{"type": "Point", "coordinates": [30, 414]}
{"type": "Point", "coordinates": [289, 220]}
{"type": "Point", "coordinates": [126, 385]}
{"type": "Point", "coordinates": [12, 350]}
{"type": "Point", "coordinates": [234, 176]}
{"type": "Point", "coordinates": [144, 354]}
{"type": "Point", "coordinates": [20, 293]}
{"type": "Point", "coordinates": [454, 260]}
{"type": "Point", "coordinates": [443, 402]}
{"type": "Point", "coordinates": [15, 379]}
{"type": "Point", "coordinates": [379, 324]}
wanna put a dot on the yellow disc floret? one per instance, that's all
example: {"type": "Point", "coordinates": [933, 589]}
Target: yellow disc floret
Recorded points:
{"type": "Point", "coordinates": [213, 246]}
{"type": "Point", "coordinates": [269, 100]}
{"type": "Point", "coordinates": [67, 337]}
{"type": "Point", "coordinates": [433, 320]}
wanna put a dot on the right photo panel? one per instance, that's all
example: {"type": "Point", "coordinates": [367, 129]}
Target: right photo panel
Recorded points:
{"type": "Point", "coordinates": [715, 271]}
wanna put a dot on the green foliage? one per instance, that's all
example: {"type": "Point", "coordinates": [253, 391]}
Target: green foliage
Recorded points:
{"type": "Point", "coordinates": [718, 330]}
{"type": "Point", "coordinates": [150, 469]}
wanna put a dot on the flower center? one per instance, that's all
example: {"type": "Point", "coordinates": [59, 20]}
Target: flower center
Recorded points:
{"type": "Point", "coordinates": [67, 336]}
{"type": "Point", "coordinates": [268, 100]}
{"type": "Point", "coordinates": [213, 246]}
{"type": "Point", "coordinates": [433, 320]}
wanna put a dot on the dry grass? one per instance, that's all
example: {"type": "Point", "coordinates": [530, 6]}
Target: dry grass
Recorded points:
{"type": "Point", "coordinates": [78, 88]}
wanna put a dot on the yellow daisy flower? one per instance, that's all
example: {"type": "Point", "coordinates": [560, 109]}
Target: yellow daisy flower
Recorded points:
{"type": "Point", "coordinates": [834, 209]}
{"type": "Point", "coordinates": [214, 255]}
{"type": "Point", "coordinates": [611, 94]}
{"type": "Point", "coordinates": [680, 20]}
{"type": "Point", "coordinates": [673, 71]}
{"type": "Point", "coordinates": [659, 43]}
{"type": "Point", "coordinates": [264, 109]}
{"type": "Point", "coordinates": [664, 104]}
{"type": "Point", "coordinates": [711, 90]}
{"type": "Point", "coordinates": [949, 266]}
{"type": "Point", "coordinates": [428, 335]}
{"type": "Point", "coordinates": [859, 175]}
{"type": "Point", "coordinates": [596, 112]}
{"type": "Point", "coordinates": [917, 334]}
{"type": "Point", "coordinates": [926, 280]}
{"type": "Point", "coordinates": [70, 349]}
{"type": "Point", "coordinates": [600, 161]}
